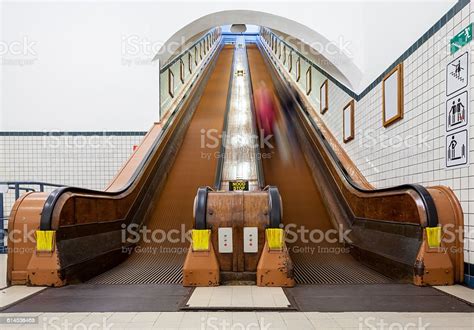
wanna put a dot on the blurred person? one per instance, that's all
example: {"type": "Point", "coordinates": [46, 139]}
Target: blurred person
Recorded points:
{"type": "Point", "coordinates": [281, 132]}
{"type": "Point", "coordinates": [290, 101]}
{"type": "Point", "coordinates": [265, 108]}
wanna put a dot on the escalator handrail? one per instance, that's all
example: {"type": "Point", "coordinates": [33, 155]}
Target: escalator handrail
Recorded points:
{"type": "Point", "coordinates": [421, 191]}
{"type": "Point", "coordinates": [53, 197]}
{"type": "Point", "coordinates": [275, 212]}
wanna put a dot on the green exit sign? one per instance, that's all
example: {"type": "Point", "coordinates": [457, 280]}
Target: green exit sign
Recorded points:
{"type": "Point", "coordinates": [461, 39]}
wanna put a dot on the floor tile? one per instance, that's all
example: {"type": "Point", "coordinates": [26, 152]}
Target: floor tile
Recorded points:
{"type": "Point", "coordinates": [16, 293]}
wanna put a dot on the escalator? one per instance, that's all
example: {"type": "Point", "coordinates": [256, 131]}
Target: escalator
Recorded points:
{"type": "Point", "coordinates": [303, 206]}
{"type": "Point", "coordinates": [322, 189]}
{"type": "Point", "coordinates": [315, 263]}
{"type": "Point", "coordinates": [162, 199]}
{"type": "Point", "coordinates": [162, 263]}
{"type": "Point", "coordinates": [316, 189]}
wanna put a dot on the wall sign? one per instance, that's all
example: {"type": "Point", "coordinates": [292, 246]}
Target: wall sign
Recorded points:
{"type": "Point", "coordinates": [457, 112]}
{"type": "Point", "coordinates": [457, 73]}
{"type": "Point", "coordinates": [457, 151]}
{"type": "Point", "coordinates": [461, 39]}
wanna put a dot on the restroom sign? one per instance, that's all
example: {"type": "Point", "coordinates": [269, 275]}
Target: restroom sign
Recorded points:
{"type": "Point", "coordinates": [457, 149]}
{"type": "Point", "coordinates": [457, 111]}
{"type": "Point", "coordinates": [457, 74]}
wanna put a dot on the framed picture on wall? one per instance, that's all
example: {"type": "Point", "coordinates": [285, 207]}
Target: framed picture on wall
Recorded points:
{"type": "Point", "coordinates": [348, 122]}
{"type": "Point", "coordinates": [323, 97]}
{"type": "Point", "coordinates": [170, 83]}
{"type": "Point", "coordinates": [298, 69]}
{"type": "Point", "coordinates": [392, 96]}
{"type": "Point", "coordinates": [309, 81]}
{"type": "Point", "coordinates": [182, 71]}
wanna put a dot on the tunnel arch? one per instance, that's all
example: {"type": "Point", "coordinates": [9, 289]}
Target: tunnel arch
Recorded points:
{"type": "Point", "coordinates": [337, 63]}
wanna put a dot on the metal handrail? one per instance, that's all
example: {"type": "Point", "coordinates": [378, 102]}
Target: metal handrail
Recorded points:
{"type": "Point", "coordinates": [17, 186]}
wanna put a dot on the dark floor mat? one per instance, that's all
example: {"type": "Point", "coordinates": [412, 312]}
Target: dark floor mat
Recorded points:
{"type": "Point", "coordinates": [105, 298]}
{"type": "Point", "coordinates": [374, 298]}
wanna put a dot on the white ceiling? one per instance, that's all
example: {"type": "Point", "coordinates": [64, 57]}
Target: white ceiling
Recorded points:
{"type": "Point", "coordinates": [369, 35]}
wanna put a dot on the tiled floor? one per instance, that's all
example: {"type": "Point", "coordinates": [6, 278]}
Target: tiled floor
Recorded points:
{"type": "Point", "coordinates": [458, 291]}
{"type": "Point", "coordinates": [238, 297]}
{"type": "Point", "coordinates": [241, 320]}
{"type": "Point", "coordinates": [16, 293]}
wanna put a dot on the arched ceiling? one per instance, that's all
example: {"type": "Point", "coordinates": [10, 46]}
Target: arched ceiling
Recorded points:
{"type": "Point", "coordinates": [358, 40]}
{"type": "Point", "coordinates": [345, 71]}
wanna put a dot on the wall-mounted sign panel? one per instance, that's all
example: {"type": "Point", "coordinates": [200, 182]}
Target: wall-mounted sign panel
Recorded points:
{"type": "Point", "coordinates": [457, 111]}
{"type": "Point", "coordinates": [457, 74]}
{"type": "Point", "coordinates": [457, 149]}
{"type": "Point", "coordinates": [461, 39]}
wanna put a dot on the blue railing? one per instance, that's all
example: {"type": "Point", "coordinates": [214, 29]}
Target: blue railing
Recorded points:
{"type": "Point", "coordinates": [17, 187]}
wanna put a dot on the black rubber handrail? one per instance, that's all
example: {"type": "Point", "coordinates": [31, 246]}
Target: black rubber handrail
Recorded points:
{"type": "Point", "coordinates": [52, 199]}
{"type": "Point", "coordinates": [275, 207]}
{"type": "Point", "coordinates": [200, 213]}
{"type": "Point", "coordinates": [421, 191]}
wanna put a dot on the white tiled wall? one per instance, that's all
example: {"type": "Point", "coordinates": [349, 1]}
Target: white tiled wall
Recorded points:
{"type": "Point", "coordinates": [378, 152]}
{"type": "Point", "coordinates": [88, 161]}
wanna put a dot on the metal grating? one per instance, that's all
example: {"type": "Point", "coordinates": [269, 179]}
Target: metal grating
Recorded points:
{"type": "Point", "coordinates": [333, 269]}
{"type": "Point", "coordinates": [145, 268]}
